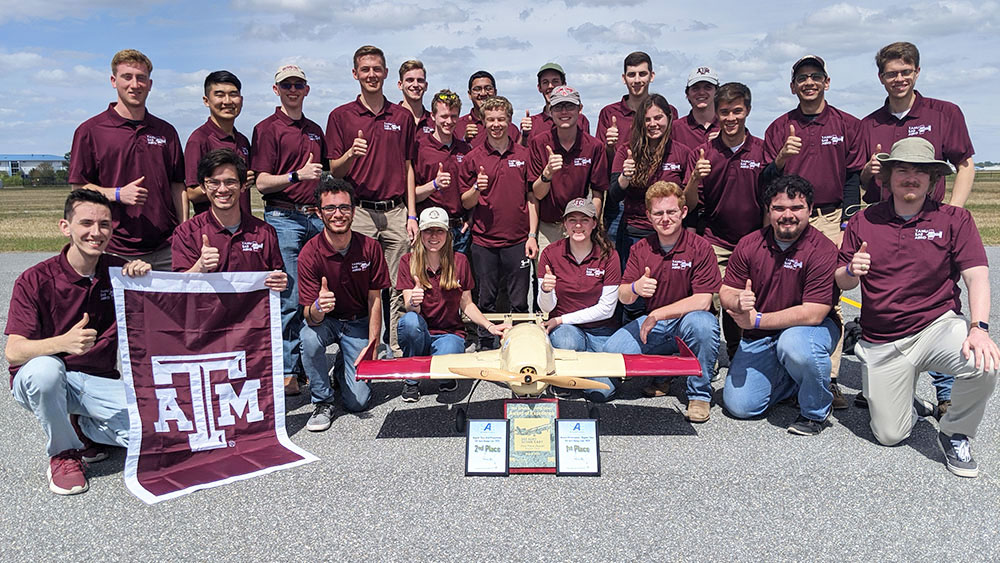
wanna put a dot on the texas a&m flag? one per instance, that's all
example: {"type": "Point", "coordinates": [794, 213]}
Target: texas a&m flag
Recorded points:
{"type": "Point", "coordinates": [201, 360]}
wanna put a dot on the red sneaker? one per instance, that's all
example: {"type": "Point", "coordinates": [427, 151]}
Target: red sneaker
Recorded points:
{"type": "Point", "coordinates": [66, 473]}
{"type": "Point", "coordinates": [92, 452]}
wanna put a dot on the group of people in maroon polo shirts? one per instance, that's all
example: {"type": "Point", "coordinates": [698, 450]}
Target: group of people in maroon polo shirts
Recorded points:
{"type": "Point", "coordinates": [701, 216]}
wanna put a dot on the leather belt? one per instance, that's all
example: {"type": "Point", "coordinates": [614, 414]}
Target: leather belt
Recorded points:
{"type": "Point", "coordinates": [817, 211]}
{"type": "Point", "coordinates": [383, 205]}
{"type": "Point", "coordinates": [289, 206]}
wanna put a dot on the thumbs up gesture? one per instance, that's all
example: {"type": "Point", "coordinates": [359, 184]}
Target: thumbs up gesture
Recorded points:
{"type": "Point", "coordinates": [416, 296]}
{"type": "Point", "coordinates": [861, 262]}
{"type": "Point", "coordinates": [310, 170]}
{"type": "Point", "coordinates": [326, 300]}
{"type": "Point", "coordinates": [443, 179]}
{"type": "Point", "coordinates": [874, 166]}
{"type": "Point", "coordinates": [611, 134]}
{"type": "Point", "coordinates": [747, 299]}
{"type": "Point", "coordinates": [646, 285]}
{"type": "Point", "coordinates": [526, 123]}
{"type": "Point", "coordinates": [482, 180]}
{"type": "Point", "coordinates": [548, 280]}
{"type": "Point", "coordinates": [471, 130]}
{"type": "Point", "coordinates": [209, 255]}
{"type": "Point", "coordinates": [554, 164]}
{"type": "Point", "coordinates": [703, 167]}
{"type": "Point", "coordinates": [133, 193]}
{"type": "Point", "coordinates": [792, 146]}
{"type": "Point", "coordinates": [360, 145]}
{"type": "Point", "coordinates": [628, 167]}
{"type": "Point", "coordinates": [79, 339]}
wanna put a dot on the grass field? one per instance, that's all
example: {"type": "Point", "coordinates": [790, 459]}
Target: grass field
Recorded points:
{"type": "Point", "coordinates": [29, 216]}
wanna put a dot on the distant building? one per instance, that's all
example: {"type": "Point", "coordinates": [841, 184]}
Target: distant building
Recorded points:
{"type": "Point", "coordinates": [22, 164]}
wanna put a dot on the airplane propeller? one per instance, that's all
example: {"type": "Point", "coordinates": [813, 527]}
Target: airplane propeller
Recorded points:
{"type": "Point", "coordinates": [488, 374]}
{"type": "Point", "coordinates": [570, 382]}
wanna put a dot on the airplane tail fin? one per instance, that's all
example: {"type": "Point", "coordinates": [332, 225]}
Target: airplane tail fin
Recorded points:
{"type": "Point", "coordinates": [682, 349]}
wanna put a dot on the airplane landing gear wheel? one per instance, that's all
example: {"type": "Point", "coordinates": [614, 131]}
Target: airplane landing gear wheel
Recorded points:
{"type": "Point", "coordinates": [460, 420]}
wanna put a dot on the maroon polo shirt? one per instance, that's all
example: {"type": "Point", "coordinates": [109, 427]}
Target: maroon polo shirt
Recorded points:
{"type": "Point", "coordinates": [282, 145]}
{"type": "Point", "coordinates": [692, 134]}
{"type": "Point", "coordinates": [431, 152]}
{"type": "Point", "coordinates": [425, 125]}
{"type": "Point", "coordinates": [252, 248]}
{"type": "Point", "coordinates": [915, 265]}
{"type": "Point", "coordinates": [785, 278]}
{"type": "Point", "coordinates": [50, 297]}
{"type": "Point", "coordinates": [579, 286]}
{"type": "Point", "coordinates": [512, 131]}
{"type": "Point", "coordinates": [678, 162]}
{"type": "Point", "coordinates": [391, 135]}
{"type": "Point", "coordinates": [731, 193]}
{"type": "Point", "coordinates": [208, 138]}
{"type": "Point", "coordinates": [689, 268]}
{"type": "Point", "coordinates": [349, 276]}
{"type": "Point", "coordinates": [441, 308]}
{"type": "Point", "coordinates": [111, 151]}
{"type": "Point", "coordinates": [501, 217]}
{"type": "Point", "coordinates": [940, 122]}
{"type": "Point", "coordinates": [541, 122]}
{"type": "Point", "coordinates": [830, 148]}
{"type": "Point", "coordinates": [623, 118]}
{"type": "Point", "coordinates": [585, 165]}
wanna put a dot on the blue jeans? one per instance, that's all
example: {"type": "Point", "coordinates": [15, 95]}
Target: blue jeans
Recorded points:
{"type": "Point", "coordinates": [698, 329]}
{"type": "Point", "coordinates": [570, 337]}
{"type": "Point", "coordinates": [294, 229]}
{"type": "Point", "coordinates": [51, 393]}
{"type": "Point", "coordinates": [352, 336]}
{"type": "Point", "coordinates": [415, 339]}
{"type": "Point", "coordinates": [771, 369]}
{"type": "Point", "coordinates": [942, 385]}
{"type": "Point", "coordinates": [460, 241]}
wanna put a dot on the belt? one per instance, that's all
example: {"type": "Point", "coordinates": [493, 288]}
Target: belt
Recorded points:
{"type": "Point", "coordinates": [289, 206]}
{"type": "Point", "coordinates": [383, 205]}
{"type": "Point", "coordinates": [456, 222]}
{"type": "Point", "coordinates": [817, 211]}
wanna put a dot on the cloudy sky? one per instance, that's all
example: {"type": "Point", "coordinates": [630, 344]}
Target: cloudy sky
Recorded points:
{"type": "Point", "coordinates": [54, 55]}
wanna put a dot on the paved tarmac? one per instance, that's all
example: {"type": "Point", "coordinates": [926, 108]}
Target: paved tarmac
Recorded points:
{"type": "Point", "coordinates": [390, 486]}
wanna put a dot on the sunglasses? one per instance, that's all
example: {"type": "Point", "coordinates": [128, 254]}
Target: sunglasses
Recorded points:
{"type": "Point", "coordinates": [292, 85]}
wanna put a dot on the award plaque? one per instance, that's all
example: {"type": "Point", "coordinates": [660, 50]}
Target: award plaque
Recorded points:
{"type": "Point", "coordinates": [486, 447]}
{"type": "Point", "coordinates": [578, 447]}
{"type": "Point", "coordinates": [532, 434]}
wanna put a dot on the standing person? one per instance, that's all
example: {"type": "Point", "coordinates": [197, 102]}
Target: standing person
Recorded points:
{"type": "Point", "coordinates": [438, 168]}
{"type": "Point", "coordinates": [675, 272]}
{"type": "Point", "coordinates": [579, 287]}
{"type": "Point", "coordinates": [908, 114]}
{"type": "Point", "coordinates": [911, 317]}
{"type": "Point", "coordinates": [224, 102]}
{"type": "Point", "coordinates": [62, 344]}
{"type": "Point", "coordinates": [135, 160]}
{"type": "Point", "coordinates": [819, 143]}
{"type": "Point", "coordinates": [342, 275]}
{"type": "Point", "coordinates": [700, 125]}
{"type": "Point", "coordinates": [287, 154]}
{"type": "Point", "coordinates": [728, 170]}
{"type": "Point", "coordinates": [372, 144]}
{"type": "Point", "coordinates": [470, 127]}
{"type": "Point", "coordinates": [437, 283]}
{"type": "Point", "coordinates": [566, 163]}
{"type": "Point", "coordinates": [779, 288]}
{"type": "Point", "coordinates": [550, 76]}
{"type": "Point", "coordinates": [505, 215]}
{"type": "Point", "coordinates": [413, 84]}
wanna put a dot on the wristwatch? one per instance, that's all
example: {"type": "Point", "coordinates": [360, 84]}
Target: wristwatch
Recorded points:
{"type": "Point", "coordinates": [985, 327]}
{"type": "Point", "coordinates": [533, 235]}
{"type": "Point", "coordinates": [293, 177]}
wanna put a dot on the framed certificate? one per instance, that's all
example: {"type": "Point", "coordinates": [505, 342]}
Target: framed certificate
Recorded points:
{"type": "Point", "coordinates": [486, 447]}
{"type": "Point", "coordinates": [577, 447]}
{"type": "Point", "coordinates": [532, 442]}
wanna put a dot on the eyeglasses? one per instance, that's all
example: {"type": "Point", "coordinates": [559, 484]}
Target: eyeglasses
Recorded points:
{"type": "Point", "coordinates": [480, 89]}
{"type": "Point", "coordinates": [816, 77]}
{"type": "Point", "coordinates": [292, 85]}
{"type": "Point", "coordinates": [442, 97]}
{"type": "Point", "coordinates": [890, 74]}
{"type": "Point", "coordinates": [213, 184]}
{"type": "Point", "coordinates": [333, 209]}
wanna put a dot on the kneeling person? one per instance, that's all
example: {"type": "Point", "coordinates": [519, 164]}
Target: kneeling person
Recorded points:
{"type": "Point", "coordinates": [779, 289]}
{"type": "Point", "coordinates": [341, 278]}
{"type": "Point", "coordinates": [675, 271]}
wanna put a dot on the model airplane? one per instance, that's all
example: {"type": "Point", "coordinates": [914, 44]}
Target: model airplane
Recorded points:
{"type": "Point", "coordinates": [527, 363]}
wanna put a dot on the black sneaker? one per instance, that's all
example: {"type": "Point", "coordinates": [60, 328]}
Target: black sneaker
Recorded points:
{"type": "Point", "coordinates": [839, 402]}
{"type": "Point", "coordinates": [925, 409]}
{"type": "Point", "coordinates": [958, 455]}
{"type": "Point", "coordinates": [448, 385]}
{"type": "Point", "coordinates": [411, 393]}
{"type": "Point", "coordinates": [321, 418]}
{"type": "Point", "coordinates": [860, 401]}
{"type": "Point", "coordinates": [806, 427]}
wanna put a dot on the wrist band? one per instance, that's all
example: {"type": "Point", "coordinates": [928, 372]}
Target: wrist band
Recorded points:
{"type": "Point", "coordinates": [411, 217]}
{"type": "Point", "coordinates": [633, 289]}
{"type": "Point", "coordinates": [848, 270]}
{"type": "Point", "coordinates": [316, 305]}
{"type": "Point", "coordinates": [756, 322]}
{"type": "Point", "coordinates": [118, 193]}
{"type": "Point", "coordinates": [434, 183]}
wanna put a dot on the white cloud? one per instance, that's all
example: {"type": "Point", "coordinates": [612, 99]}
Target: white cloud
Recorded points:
{"type": "Point", "coordinates": [622, 32]}
{"type": "Point", "coordinates": [61, 9]}
{"type": "Point", "coordinates": [505, 43]}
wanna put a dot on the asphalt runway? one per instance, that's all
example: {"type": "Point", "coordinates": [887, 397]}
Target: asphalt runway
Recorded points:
{"type": "Point", "coordinates": [390, 486]}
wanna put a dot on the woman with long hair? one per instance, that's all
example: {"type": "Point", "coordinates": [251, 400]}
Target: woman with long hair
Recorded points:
{"type": "Point", "coordinates": [579, 287]}
{"type": "Point", "coordinates": [437, 287]}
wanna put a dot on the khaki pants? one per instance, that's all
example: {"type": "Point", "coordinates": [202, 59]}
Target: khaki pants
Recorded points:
{"type": "Point", "coordinates": [549, 233]}
{"type": "Point", "coordinates": [889, 377]}
{"type": "Point", "coordinates": [389, 229]}
{"type": "Point", "coordinates": [730, 330]}
{"type": "Point", "coordinates": [829, 225]}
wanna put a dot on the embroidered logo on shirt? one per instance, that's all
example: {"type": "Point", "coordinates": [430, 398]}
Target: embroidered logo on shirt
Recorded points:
{"type": "Point", "coordinates": [831, 139]}
{"type": "Point", "coordinates": [245, 151]}
{"type": "Point", "coordinates": [313, 137]}
{"type": "Point", "coordinates": [512, 163]}
{"type": "Point", "coordinates": [391, 126]}
{"type": "Point", "coordinates": [360, 266]}
{"type": "Point", "coordinates": [671, 166]}
{"type": "Point", "coordinates": [680, 264]}
{"type": "Point", "coordinates": [595, 272]}
{"type": "Point", "coordinates": [581, 161]}
{"type": "Point", "coordinates": [459, 157]}
{"type": "Point", "coordinates": [918, 130]}
{"type": "Point", "coordinates": [927, 234]}
{"type": "Point", "coordinates": [749, 164]}
{"type": "Point", "coordinates": [428, 130]}
{"type": "Point", "coordinates": [252, 246]}
{"type": "Point", "coordinates": [154, 140]}
{"type": "Point", "coordinates": [793, 264]}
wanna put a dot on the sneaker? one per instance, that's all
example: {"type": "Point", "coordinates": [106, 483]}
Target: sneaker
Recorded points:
{"type": "Point", "coordinates": [860, 401]}
{"type": "Point", "coordinates": [806, 427]}
{"type": "Point", "coordinates": [958, 455]}
{"type": "Point", "coordinates": [943, 407]}
{"type": "Point", "coordinates": [924, 408]}
{"type": "Point", "coordinates": [698, 411]}
{"type": "Point", "coordinates": [448, 385]}
{"type": "Point", "coordinates": [839, 402]}
{"type": "Point", "coordinates": [657, 389]}
{"type": "Point", "coordinates": [66, 473]}
{"type": "Point", "coordinates": [411, 393]}
{"type": "Point", "coordinates": [94, 453]}
{"type": "Point", "coordinates": [291, 386]}
{"type": "Point", "coordinates": [321, 418]}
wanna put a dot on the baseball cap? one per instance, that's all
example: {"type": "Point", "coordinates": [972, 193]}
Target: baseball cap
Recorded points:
{"type": "Point", "coordinates": [562, 94]}
{"type": "Point", "coordinates": [433, 217]}
{"type": "Point", "coordinates": [914, 150]}
{"type": "Point", "coordinates": [581, 205]}
{"type": "Point", "coordinates": [703, 74]}
{"type": "Point", "coordinates": [552, 66]}
{"type": "Point", "coordinates": [809, 60]}
{"type": "Point", "coordinates": [288, 71]}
